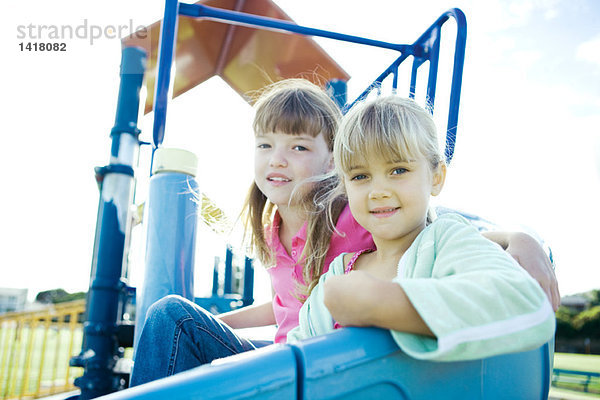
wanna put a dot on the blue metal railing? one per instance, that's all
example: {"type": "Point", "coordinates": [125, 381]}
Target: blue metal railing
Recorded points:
{"type": "Point", "coordinates": [425, 48]}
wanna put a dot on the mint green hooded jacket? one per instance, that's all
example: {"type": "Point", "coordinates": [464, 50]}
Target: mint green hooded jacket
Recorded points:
{"type": "Point", "coordinates": [473, 296]}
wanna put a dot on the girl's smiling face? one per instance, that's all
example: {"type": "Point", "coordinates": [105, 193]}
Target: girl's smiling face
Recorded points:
{"type": "Point", "coordinates": [282, 161]}
{"type": "Point", "coordinates": [390, 199]}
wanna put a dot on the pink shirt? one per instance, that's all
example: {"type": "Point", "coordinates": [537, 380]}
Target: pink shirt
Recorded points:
{"type": "Point", "coordinates": [287, 271]}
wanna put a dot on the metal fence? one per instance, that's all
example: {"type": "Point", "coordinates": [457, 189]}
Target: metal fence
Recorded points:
{"type": "Point", "coordinates": [35, 348]}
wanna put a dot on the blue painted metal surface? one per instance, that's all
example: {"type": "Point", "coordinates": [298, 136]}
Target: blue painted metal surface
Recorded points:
{"type": "Point", "coordinates": [338, 91]}
{"type": "Point", "coordinates": [100, 349]}
{"type": "Point", "coordinates": [366, 364]}
{"type": "Point", "coordinates": [355, 363]}
{"type": "Point", "coordinates": [248, 291]}
{"type": "Point", "coordinates": [228, 283]}
{"type": "Point", "coordinates": [266, 373]}
{"type": "Point", "coordinates": [172, 215]}
{"type": "Point", "coordinates": [215, 283]}
{"type": "Point", "coordinates": [231, 298]}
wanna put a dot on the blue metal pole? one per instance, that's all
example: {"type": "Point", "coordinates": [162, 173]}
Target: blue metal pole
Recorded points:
{"type": "Point", "coordinates": [215, 283]}
{"type": "Point", "coordinates": [166, 49]}
{"type": "Point", "coordinates": [417, 62]}
{"type": "Point", "coordinates": [248, 294]}
{"type": "Point", "coordinates": [228, 287]}
{"type": "Point", "coordinates": [100, 350]}
{"type": "Point", "coordinates": [434, 57]}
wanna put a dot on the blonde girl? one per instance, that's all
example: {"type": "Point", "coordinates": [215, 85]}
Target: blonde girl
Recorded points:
{"type": "Point", "coordinates": [444, 291]}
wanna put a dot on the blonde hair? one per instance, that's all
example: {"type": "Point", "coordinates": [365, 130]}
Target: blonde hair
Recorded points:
{"type": "Point", "coordinates": [391, 128]}
{"type": "Point", "coordinates": [291, 106]}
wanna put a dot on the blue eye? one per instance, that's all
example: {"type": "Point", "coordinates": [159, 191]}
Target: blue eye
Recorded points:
{"type": "Point", "coordinates": [300, 148]}
{"type": "Point", "coordinates": [263, 146]}
{"type": "Point", "coordinates": [399, 171]}
{"type": "Point", "coordinates": [358, 177]}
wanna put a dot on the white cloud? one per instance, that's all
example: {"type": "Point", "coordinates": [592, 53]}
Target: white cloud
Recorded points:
{"type": "Point", "coordinates": [590, 50]}
{"type": "Point", "coordinates": [551, 13]}
{"type": "Point", "coordinates": [500, 15]}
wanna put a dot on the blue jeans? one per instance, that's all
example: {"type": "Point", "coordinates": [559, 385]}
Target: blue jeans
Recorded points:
{"type": "Point", "coordinates": [179, 335]}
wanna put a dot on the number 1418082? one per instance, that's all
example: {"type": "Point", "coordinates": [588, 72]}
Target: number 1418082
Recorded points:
{"type": "Point", "coordinates": [42, 46]}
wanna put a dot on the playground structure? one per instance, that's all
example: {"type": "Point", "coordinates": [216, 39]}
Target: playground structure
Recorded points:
{"type": "Point", "coordinates": [324, 367]}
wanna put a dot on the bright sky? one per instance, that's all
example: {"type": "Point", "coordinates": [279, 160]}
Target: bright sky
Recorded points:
{"type": "Point", "coordinates": [527, 155]}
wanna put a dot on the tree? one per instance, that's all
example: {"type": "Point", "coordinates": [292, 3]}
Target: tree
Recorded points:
{"type": "Point", "coordinates": [48, 296]}
{"type": "Point", "coordinates": [564, 323]}
{"type": "Point", "coordinates": [587, 323]}
{"type": "Point", "coordinates": [59, 295]}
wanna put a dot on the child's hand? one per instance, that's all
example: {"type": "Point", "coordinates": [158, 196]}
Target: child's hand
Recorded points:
{"type": "Point", "coordinates": [530, 255]}
{"type": "Point", "coordinates": [349, 297]}
{"type": "Point", "coordinates": [532, 258]}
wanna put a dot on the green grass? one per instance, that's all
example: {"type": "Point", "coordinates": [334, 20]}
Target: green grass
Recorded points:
{"type": "Point", "coordinates": [579, 362]}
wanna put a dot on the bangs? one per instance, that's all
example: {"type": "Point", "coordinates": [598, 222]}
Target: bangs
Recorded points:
{"type": "Point", "coordinates": [371, 133]}
{"type": "Point", "coordinates": [296, 107]}
{"type": "Point", "coordinates": [292, 116]}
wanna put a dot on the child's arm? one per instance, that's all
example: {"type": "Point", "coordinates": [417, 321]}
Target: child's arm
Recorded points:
{"type": "Point", "coordinates": [249, 317]}
{"type": "Point", "coordinates": [469, 293]}
{"type": "Point", "coordinates": [531, 256]}
{"type": "Point", "coordinates": [360, 299]}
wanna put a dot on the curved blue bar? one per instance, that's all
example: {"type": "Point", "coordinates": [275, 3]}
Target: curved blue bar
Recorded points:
{"type": "Point", "coordinates": [457, 73]}
{"type": "Point", "coordinates": [266, 373]}
{"type": "Point", "coordinates": [172, 214]}
{"type": "Point", "coordinates": [355, 363]}
{"type": "Point", "coordinates": [426, 47]}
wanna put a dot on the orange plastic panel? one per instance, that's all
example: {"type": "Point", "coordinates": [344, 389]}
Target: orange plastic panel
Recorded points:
{"type": "Point", "coordinates": [246, 58]}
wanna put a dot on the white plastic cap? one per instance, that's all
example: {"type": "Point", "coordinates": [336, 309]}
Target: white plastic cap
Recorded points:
{"type": "Point", "coordinates": [174, 160]}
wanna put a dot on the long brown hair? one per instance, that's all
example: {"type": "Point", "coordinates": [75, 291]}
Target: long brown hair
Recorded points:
{"type": "Point", "coordinates": [291, 106]}
{"type": "Point", "coordinates": [321, 221]}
